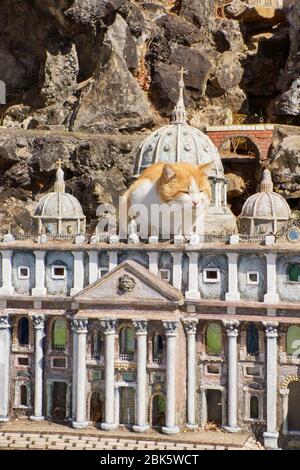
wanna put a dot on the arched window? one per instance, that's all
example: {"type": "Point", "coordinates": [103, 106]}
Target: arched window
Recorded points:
{"type": "Point", "coordinates": [254, 407]}
{"type": "Point", "coordinates": [97, 344]}
{"type": "Point", "coordinates": [23, 331]}
{"type": "Point", "coordinates": [157, 348]}
{"type": "Point", "coordinates": [214, 339]}
{"type": "Point", "coordinates": [252, 339]}
{"type": "Point", "coordinates": [294, 272]}
{"type": "Point", "coordinates": [127, 340]}
{"type": "Point", "coordinates": [59, 334]}
{"type": "Point", "coordinates": [23, 395]}
{"type": "Point", "coordinates": [293, 340]}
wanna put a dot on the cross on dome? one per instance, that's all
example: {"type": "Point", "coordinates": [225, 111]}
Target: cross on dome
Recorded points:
{"type": "Point", "coordinates": [179, 114]}
{"type": "Point", "coordinates": [59, 185]}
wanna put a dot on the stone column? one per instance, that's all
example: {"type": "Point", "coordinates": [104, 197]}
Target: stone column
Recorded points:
{"type": "Point", "coordinates": [141, 333]}
{"type": "Point", "coordinates": [109, 333]}
{"type": "Point", "coordinates": [271, 297]}
{"type": "Point", "coordinates": [191, 329]}
{"type": "Point", "coordinates": [93, 266]}
{"type": "Point", "coordinates": [232, 333]}
{"type": "Point", "coordinates": [171, 333]}
{"type": "Point", "coordinates": [38, 322]}
{"type": "Point", "coordinates": [284, 392]}
{"type": "Point", "coordinates": [193, 292]}
{"type": "Point", "coordinates": [271, 435]}
{"type": "Point", "coordinates": [232, 295]}
{"type": "Point", "coordinates": [177, 270]}
{"type": "Point", "coordinates": [39, 289]}
{"type": "Point", "coordinates": [153, 262]}
{"type": "Point", "coordinates": [80, 325]}
{"type": "Point", "coordinates": [7, 287]}
{"type": "Point", "coordinates": [4, 367]}
{"type": "Point", "coordinates": [78, 272]}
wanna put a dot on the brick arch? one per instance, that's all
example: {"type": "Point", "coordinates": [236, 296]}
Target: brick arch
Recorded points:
{"type": "Point", "coordinates": [260, 135]}
{"type": "Point", "coordinates": [291, 378]}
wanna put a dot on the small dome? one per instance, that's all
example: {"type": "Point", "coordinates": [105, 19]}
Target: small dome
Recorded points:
{"type": "Point", "coordinates": [266, 211]}
{"type": "Point", "coordinates": [60, 213]}
{"type": "Point", "coordinates": [266, 206]}
{"type": "Point", "coordinates": [178, 142]}
{"type": "Point", "coordinates": [59, 205]}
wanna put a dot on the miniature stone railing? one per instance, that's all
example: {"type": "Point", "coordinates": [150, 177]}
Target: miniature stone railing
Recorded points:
{"type": "Point", "coordinates": [177, 240]}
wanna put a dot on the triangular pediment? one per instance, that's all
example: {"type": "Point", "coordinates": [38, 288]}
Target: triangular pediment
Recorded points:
{"type": "Point", "coordinates": [130, 282]}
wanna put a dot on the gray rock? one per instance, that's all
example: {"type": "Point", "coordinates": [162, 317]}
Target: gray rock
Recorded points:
{"type": "Point", "coordinates": [92, 12]}
{"type": "Point", "coordinates": [114, 102]}
{"type": "Point", "coordinates": [235, 8]}
{"type": "Point", "coordinates": [229, 71]}
{"type": "Point", "coordinates": [59, 77]}
{"type": "Point", "coordinates": [198, 12]}
{"type": "Point", "coordinates": [119, 37]}
{"type": "Point", "coordinates": [288, 102]}
{"type": "Point", "coordinates": [285, 167]}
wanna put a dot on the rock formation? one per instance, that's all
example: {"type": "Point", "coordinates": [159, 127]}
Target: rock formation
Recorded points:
{"type": "Point", "coordinates": [76, 71]}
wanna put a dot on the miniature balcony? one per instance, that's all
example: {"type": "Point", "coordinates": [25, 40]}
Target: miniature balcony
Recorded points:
{"type": "Point", "coordinates": [95, 359]}
{"type": "Point", "coordinates": [127, 357]}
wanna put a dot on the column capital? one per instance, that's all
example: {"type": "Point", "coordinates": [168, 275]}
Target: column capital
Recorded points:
{"type": "Point", "coordinates": [6, 253]}
{"type": "Point", "coordinates": [38, 321]}
{"type": "Point", "coordinates": [232, 327]}
{"type": "Point", "coordinates": [140, 326]}
{"type": "Point", "coordinates": [39, 253]}
{"type": "Point", "coordinates": [77, 254]}
{"type": "Point", "coordinates": [190, 326]}
{"type": "Point", "coordinates": [79, 325]}
{"type": "Point", "coordinates": [271, 329]}
{"type": "Point", "coordinates": [4, 321]}
{"type": "Point", "coordinates": [193, 255]}
{"type": "Point", "coordinates": [232, 256]}
{"type": "Point", "coordinates": [109, 325]}
{"type": "Point", "coordinates": [171, 327]}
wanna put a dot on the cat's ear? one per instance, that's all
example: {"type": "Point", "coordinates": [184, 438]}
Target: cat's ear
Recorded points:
{"type": "Point", "coordinates": [206, 167]}
{"type": "Point", "coordinates": [168, 172]}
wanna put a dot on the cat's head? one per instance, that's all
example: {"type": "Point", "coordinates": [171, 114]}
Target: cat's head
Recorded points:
{"type": "Point", "coordinates": [185, 185]}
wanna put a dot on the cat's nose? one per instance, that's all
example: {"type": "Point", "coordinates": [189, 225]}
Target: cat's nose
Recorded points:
{"type": "Point", "coordinates": [195, 203]}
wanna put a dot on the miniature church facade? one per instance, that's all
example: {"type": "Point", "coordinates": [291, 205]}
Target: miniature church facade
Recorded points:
{"type": "Point", "coordinates": [155, 335]}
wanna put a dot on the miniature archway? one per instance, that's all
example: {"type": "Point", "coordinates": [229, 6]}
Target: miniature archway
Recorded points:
{"type": "Point", "coordinates": [291, 378]}
{"type": "Point", "coordinates": [240, 147]}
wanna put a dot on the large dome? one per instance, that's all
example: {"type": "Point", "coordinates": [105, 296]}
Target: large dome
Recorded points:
{"type": "Point", "coordinates": [264, 212]}
{"type": "Point", "coordinates": [178, 143]}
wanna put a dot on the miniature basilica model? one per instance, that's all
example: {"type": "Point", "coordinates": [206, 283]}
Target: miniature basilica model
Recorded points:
{"type": "Point", "coordinates": [168, 335]}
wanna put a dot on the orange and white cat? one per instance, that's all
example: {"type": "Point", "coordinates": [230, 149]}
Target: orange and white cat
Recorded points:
{"type": "Point", "coordinates": [182, 188]}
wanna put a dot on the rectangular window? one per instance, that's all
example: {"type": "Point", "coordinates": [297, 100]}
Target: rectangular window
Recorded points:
{"type": "Point", "coordinates": [23, 272]}
{"type": "Point", "coordinates": [252, 277]}
{"type": "Point", "coordinates": [253, 371]}
{"type": "Point", "coordinates": [59, 362]}
{"type": "Point", "coordinates": [58, 272]}
{"type": "Point", "coordinates": [129, 377]}
{"type": "Point", "coordinates": [165, 274]}
{"type": "Point", "coordinates": [102, 272]}
{"type": "Point", "coordinates": [211, 275]}
{"type": "Point", "coordinates": [213, 369]}
{"type": "Point", "coordinates": [158, 378]}
{"type": "Point", "coordinates": [23, 361]}
{"type": "Point", "coordinates": [98, 375]}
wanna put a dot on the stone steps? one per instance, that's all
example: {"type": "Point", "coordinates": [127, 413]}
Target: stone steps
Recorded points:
{"type": "Point", "coordinates": [40, 441]}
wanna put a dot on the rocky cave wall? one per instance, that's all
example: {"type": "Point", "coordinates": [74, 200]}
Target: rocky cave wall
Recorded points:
{"type": "Point", "coordinates": [87, 79]}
